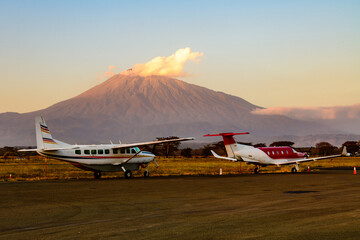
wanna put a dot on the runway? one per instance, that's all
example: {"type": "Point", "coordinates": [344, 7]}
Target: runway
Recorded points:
{"type": "Point", "coordinates": [317, 205]}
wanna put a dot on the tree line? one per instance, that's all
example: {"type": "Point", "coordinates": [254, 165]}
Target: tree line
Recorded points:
{"type": "Point", "coordinates": [173, 149]}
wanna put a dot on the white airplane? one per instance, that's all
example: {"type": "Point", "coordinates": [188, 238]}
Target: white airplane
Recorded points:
{"type": "Point", "coordinates": [263, 156]}
{"type": "Point", "coordinates": [96, 158]}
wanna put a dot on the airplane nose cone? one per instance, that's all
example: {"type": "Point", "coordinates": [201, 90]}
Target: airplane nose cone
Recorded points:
{"type": "Point", "coordinates": [149, 154]}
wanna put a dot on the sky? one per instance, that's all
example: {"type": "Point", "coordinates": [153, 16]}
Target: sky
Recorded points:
{"type": "Point", "coordinates": [274, 54]}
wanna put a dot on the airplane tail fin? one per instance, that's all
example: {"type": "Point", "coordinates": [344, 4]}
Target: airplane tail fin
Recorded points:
{"type": "Point", "coordinates": [44, 140]}
{"type": "Point", "coordinates": [230, 144]}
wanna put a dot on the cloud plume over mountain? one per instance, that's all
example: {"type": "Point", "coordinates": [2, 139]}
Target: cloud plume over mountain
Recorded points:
{"type": "Point", "coordinates": [171, 66]}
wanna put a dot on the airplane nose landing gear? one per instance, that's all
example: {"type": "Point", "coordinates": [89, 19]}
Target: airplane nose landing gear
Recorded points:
{"type": "Point", "coordinates": [97, 175]}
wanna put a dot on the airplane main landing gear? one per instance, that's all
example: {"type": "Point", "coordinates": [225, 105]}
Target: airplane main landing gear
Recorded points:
{"type": "Point", "coordinates": [256, 170]}
{"type": "Point", "coordinates": [146, 173]}
{"type": "Point", "coordinates": [295, 168]}
{"type": "Point", "coordinates": [128, 174]}
{"type": "Point", "coordinates": [97, 175]}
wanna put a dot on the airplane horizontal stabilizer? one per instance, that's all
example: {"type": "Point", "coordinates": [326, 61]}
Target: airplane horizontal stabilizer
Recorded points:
{"type": "Point", "coordinates": [225, 134]}
{"type": "Point", "coordinates": [220, 157]}
{"type": "Point", "coordinates": [27, 150]}
{"type": "Point", "coordinates": [60, 148]}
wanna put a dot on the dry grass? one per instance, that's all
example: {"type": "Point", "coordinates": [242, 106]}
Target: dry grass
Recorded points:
{"type": "Point", "coordinates": [34, 168]}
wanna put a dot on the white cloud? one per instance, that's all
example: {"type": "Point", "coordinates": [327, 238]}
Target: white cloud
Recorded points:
{"type": "Point", "coordinates": [310, 113]}
{"type": "Point", "coordinates": [171, 66]}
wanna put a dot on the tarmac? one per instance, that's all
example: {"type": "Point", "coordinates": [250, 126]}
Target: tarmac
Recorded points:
{"type": "Point", "coordinates": [315, 205]}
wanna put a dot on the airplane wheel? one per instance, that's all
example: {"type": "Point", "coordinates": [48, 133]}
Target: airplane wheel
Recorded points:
{"type": "Point", "coordinates": [97, 175]}
{"type": "Point", "coordinates": [146, 174]}
{"type": "Point", "coordinates": [128, 174]}
{"type": "Point", "coordinates": [256, 170]}
{"type": "Point", "coordinates": [293, 170]}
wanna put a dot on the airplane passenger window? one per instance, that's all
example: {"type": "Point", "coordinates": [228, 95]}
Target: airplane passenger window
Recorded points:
{"type": "Point", "coordinates": [277, 152]}
{"type": "Point", "coordinates": [287, 152]}
{"type": "Point", "coordinates": [87, 151]}
{"type": "Point", "coordinates": [268, 153]}
{"type": "Point", "coordinates": [273, 152]}
{"type": "Point", "coordinates": [107, 151]}
{"type": "Point", "coordinates": [100, 151]}
{"type": "Point", "coordinates": [115, 151]}
{"type": "Point", "coordinates": [93, 151]}
{"type": "Point", "coordinates": [128, 150]}
{"type": "Point", "coordinates": [77, 151]}
{"type": "Point", "coordinates": [133, 150]}
{"type": "Point", "coordinates": [122, 151]}
{"type": "Point", "coordinates": [282, 152]}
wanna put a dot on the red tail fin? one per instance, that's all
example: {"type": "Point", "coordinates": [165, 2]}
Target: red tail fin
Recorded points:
{"type": "Point", "coordinates": [227, 137]}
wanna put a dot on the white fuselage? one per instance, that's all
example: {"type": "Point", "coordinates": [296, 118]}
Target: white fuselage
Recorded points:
{"type": "Point", "coordinates": [264, 157]}
{"type": "Point", "coordinates": [99, 155]}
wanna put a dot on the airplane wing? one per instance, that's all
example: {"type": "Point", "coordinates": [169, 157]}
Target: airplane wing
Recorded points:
{"type": "Point", "coordinates": [292, 161]}
{"type": "Point", "coordinates": [151, 143]}
{"type": "Point", "coordinates": [220, 157]}
{"type": "Point", "coordinates": [308, 159]}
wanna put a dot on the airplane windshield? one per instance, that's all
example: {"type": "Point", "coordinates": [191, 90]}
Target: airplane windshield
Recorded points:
{"type": "Point", "coordinates": [137, 149]}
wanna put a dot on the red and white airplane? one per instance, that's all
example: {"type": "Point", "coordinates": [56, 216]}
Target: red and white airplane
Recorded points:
{"type": "Point", "coordinates": [264, 156]}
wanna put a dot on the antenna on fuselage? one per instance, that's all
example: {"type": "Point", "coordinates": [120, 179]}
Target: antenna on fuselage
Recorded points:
{"type": "Point", "coordinates": [120, 142]}
{"type": "Point", "coordinates": [111, 142]}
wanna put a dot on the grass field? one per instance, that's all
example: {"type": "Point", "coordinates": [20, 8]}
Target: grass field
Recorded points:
{"type": "Point", "coordinates": [34, 168]}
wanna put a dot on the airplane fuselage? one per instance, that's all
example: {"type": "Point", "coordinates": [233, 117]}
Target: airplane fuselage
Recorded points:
{"type": "Point", "coordinates": [100, 157]}
{"type": "Point", "coordinates": [268, 155]}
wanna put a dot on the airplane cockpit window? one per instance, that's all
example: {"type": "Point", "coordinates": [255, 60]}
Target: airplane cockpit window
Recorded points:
{"type": "Point", "coordinates": [77, 151]}
{"type": "Point", "coordinates": [137, 149]}
{"type": "Point", "coordinates": [133, 150]}
{"type": "Point", "coordinates": [87, 151]}
{"type": "Point", "coordinates": [93, 151]}
{"type": "Point", "coordinates": [100, 151]}
{"type": "Point", "coordinates": [115, 151]}
{"type": "Point", "coordinates": [122, 150]}
{"type": "Point", "coordinates": [107, 151]}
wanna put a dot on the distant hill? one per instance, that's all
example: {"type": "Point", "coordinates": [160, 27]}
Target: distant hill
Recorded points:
{"type": "Point", "coordinates": [134, 108]}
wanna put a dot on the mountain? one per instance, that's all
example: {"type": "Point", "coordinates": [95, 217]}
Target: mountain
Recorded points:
{"type": "Point", "coordinates": [133, 108]}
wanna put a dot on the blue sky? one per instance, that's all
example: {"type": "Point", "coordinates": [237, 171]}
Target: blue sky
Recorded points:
{"type": "Point", "coordinates": [271, 53]}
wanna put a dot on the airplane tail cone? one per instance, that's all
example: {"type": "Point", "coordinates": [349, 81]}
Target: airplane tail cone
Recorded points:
{"type": "Point", "coordinates": [354, 170]}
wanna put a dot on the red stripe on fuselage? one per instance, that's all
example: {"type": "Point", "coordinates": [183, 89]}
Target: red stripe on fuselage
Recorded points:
{"type": "Point", "coordinates": [281, 152]}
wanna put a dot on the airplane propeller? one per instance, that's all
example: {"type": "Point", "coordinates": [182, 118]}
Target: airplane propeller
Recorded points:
{"type": "Point", "coordinates": [308, 152]}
